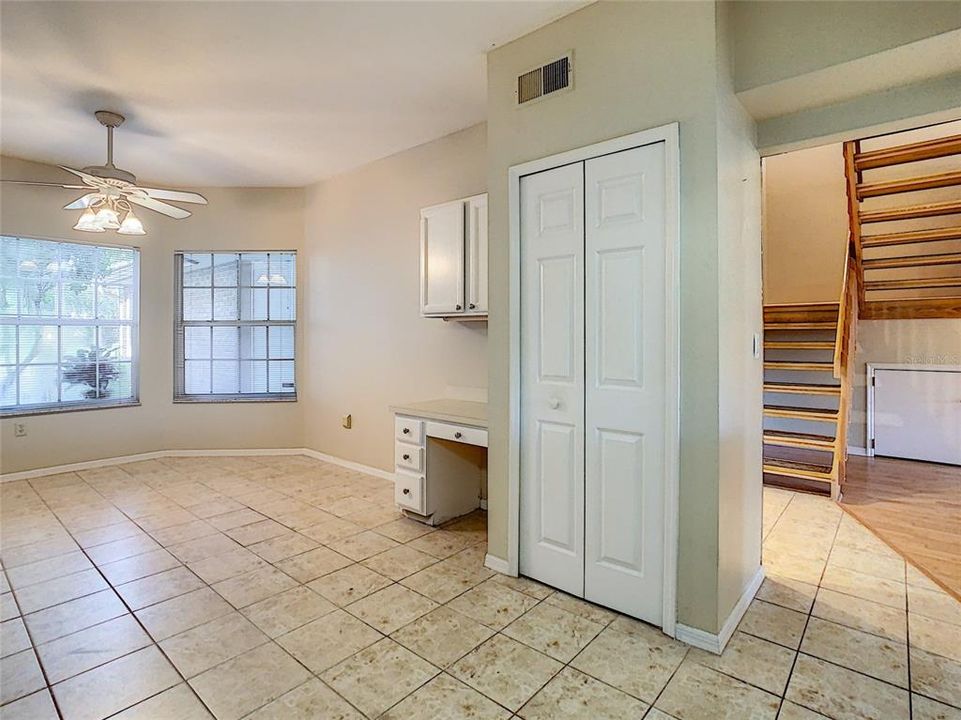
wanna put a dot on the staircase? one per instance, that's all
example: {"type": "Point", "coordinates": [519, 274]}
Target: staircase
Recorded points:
{"type": "Point", "coordinates": [807, 392]}
{"type": "Point", "coordinates": [904, 207]}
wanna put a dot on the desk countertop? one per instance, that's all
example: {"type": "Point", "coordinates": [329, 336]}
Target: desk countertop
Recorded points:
{"type": "Point", "coordinates": [465, 412]}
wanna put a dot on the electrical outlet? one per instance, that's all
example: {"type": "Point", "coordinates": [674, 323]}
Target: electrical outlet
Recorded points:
{"type": "Point", "coordinates": [20, 429]}
{"type": "Point", "coordinates": [347, 421]}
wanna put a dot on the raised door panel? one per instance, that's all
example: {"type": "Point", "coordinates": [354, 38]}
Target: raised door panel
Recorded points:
{"type": "Point", "coordinates": [442, 259]}
{"type": "Point", "coordinates": [552, 378]}
{"type": "Point", "coordinates": [625, 380]}
{"type": "Point", "coordinates": [477, 254]}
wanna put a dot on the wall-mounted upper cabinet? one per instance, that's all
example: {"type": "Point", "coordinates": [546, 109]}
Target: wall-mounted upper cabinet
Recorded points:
{"type": "Point", "coordinates": [453, 259]}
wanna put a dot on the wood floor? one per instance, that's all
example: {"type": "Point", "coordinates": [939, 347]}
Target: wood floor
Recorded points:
{"type": "Point", "coordinates": [915, 507]}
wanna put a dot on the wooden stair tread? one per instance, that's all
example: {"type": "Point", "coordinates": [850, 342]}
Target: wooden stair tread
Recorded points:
{"type": "Point", "coordinates": [914, 236]}
{"type": "Point", "coordinates": [798, 365]}
{"type": "Point", "coordinates": [826, 412]}
{"type": "Point", "coordinates": [821, 325]}
{"type": "Point", "coordinates": [802, 388]}
{"type": "Point", "coordinates": [895, 187]}
{"type": "Point", "coordinates": [798, 439]}
{"type": "Point", "coordinates": [913, 261]}
{"type": "Point", "coordinates": [799, 344]}
{"type": "Point", "coordinates": [930, 307]}
{"type": "Point", "coordinates": [913, 283]}
{"type": "Point", "coordinates": [913, 152]}
{"type": "Point", "coordinates": [796, 468]}
{"type": "Point", "coordinates": [910, 212]}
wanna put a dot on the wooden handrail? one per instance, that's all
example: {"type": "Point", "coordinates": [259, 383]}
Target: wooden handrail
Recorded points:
{"type": "Point", "coordinates": [853, 178]}
{"type": "Point", "coordinates": [924, 150]}
{"type": "Point", "coordinates": [842, 321]}
{"type": "Point", "coordinates": [894, 187]}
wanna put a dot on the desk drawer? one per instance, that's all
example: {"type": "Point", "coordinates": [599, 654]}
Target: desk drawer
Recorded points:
{"type": "Point", "coordinates": [457, 433]}
{"type": "Point", "coordinates": [409, 491]}
{"type": "Point", "coordinates": [409, 430]}
{"type": "Point", "coordinates": [409, 457]}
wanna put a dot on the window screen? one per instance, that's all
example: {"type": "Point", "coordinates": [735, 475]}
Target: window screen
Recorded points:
{"type": "Point", "coordinates": [235, 320]}
{"type": "Point", "coordinates": [68, 325]}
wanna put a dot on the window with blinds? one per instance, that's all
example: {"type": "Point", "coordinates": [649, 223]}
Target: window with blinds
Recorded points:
{"type": "Point", "coordinates": [68, 325]}
{"type": "Point", "coordinates": [235, 326]}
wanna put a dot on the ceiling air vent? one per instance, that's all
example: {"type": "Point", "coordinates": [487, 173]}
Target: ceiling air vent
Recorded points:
{"type": "Point", "coordinates": [544, 80]}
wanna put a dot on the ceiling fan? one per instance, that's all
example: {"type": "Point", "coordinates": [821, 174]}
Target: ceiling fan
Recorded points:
{"type": "Point", "coordinates": [114, 190]}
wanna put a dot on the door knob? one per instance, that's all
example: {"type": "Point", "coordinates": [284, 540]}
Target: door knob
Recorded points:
{"type": "Point", "coordinates": [406, 491]}
{"type": "Point", "coordinates": [554, 403]}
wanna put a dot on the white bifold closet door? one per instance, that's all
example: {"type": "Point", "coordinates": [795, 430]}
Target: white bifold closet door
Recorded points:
{"type": "Point", "coordinates": [593, 376]}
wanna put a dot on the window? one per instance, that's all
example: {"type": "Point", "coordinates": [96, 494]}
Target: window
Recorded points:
{"type": "Point", "coordinates": [68, 325]}
{"type": "Point", "coordinates": [235, 326]}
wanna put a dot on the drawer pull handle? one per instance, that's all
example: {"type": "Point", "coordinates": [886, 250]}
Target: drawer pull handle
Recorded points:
{"type": "Point", "coordinates": [406, 431]}
{"type": "Point", "coordinates": [458, 435]}
{"type": "Point", "coordinates": [407, 456]}
{"type": "Point", "coordinates": [406, 491]}
{"type": "Point", "coordinates": [472, 306]}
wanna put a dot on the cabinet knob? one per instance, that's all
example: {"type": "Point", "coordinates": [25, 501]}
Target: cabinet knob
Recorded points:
{"type": "Point", "coordinates": [458, 435]}
{"type": "Point", "coordinates": [406, 431]}
{"type": "Point", "coordinates": [458, 307]}
{"type": "Point", "coordinates": [406, 491]}
{"type": "Point", "coordinates": [407, 456]}
{"type": "Point", "coordinates": [554, 403]}
{"type": "Point", "coordinates": [472, 306]}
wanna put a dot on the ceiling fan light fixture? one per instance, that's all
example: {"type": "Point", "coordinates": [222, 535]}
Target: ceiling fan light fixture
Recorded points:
{"type": "Point", "coordinates": [88, 222]}
{"type": "Point", "coordinates": [131, 225]}
{"type": "Point", "coordinates": [107, 218]}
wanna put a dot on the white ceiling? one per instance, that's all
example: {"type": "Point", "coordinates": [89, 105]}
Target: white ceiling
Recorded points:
{"type": "Point", "coordinates": [247, 93]}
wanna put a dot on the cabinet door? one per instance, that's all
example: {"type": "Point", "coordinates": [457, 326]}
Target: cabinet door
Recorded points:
{"type": "Point", "coordinates": [477, 254]}
{"type": "Point", "coordinates": [442, 259]}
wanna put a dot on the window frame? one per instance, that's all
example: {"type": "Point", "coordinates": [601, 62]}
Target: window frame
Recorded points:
{"type": "Point", "coordinates": [60, 322]}
{"type": "Point", "coordinates": [180, 396]}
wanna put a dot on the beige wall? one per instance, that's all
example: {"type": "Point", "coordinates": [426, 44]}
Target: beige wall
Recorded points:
{"type": "Point", "coordinates": [805, 225]}
{"type": "Point", "coordinates": [779, 40]}
{"type": "Point", "coordinates": [922, 342]}
{"type": "Point", "coordinates": [235, 219]}
{"type": "Point", "coordinates": [367, 346]}
{"type": "Point", "coordinates": [740, 374]}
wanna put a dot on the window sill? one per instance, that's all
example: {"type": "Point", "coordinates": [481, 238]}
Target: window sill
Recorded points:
{"type": "Point", "coordinates": [227, 399]}
{"type": "Point", "coordinates": [26, 412]}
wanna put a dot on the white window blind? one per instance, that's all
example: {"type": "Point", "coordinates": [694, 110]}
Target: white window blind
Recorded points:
{"type": "Point", "coordinates": [235, 326]}
{"type": "Point", "coordinates": [68, 325]}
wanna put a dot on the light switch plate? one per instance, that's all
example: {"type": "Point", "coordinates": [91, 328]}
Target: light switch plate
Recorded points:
{"type": "Point", "coordinates": [757, 345]}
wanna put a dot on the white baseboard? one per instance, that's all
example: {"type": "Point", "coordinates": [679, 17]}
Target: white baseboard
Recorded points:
{"type": "Point", "coordinates": [349, 464]}
{"type": "Point", "coordinates": [123, 459]}
{"type": "Point", "coordinates": [483, 503]}
{"type": "Point", "coordinates": [857, 450]}
{"type": "Point", "coordinates": [497, 565]}
{"type": "Point", "coordinates": [716, 643]}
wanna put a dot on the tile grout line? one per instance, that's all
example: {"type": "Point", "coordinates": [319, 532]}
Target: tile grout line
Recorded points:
{"type": "Point", "coordinates": [110, 585]}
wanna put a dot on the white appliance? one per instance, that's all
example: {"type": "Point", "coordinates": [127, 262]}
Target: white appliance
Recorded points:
{"type": "Point", "coordinates": [916, 412]}
{"type": "Point", "coordinates": [594, 377]}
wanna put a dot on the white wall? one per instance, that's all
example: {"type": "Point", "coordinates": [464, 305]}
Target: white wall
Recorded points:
{"type": "Point", "coordinates": [367, 346]}
{"type": "Point", "coordinates": [916, 342]}
{"type": "Point", "coordinates": [235, 219]}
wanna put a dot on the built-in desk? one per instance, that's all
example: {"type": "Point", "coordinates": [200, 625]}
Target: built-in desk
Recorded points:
{"type": "Point", "coordinates": [440, 458]}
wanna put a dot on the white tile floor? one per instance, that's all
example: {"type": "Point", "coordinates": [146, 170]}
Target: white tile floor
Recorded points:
{"type": "Point", "coordinates": [282, 587]}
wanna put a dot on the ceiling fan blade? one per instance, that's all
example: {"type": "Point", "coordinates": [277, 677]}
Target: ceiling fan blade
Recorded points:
{"type": "Point", "coordinates": [45, 184]}
{"type": "Point", "coordinates": [178, 195]}
{"type": "Point", "coordinates": [160, 207]}
{"type": "Point", "coordinates": [82, 202]}
{"type": "Point", "coordinates": [91, 180]}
